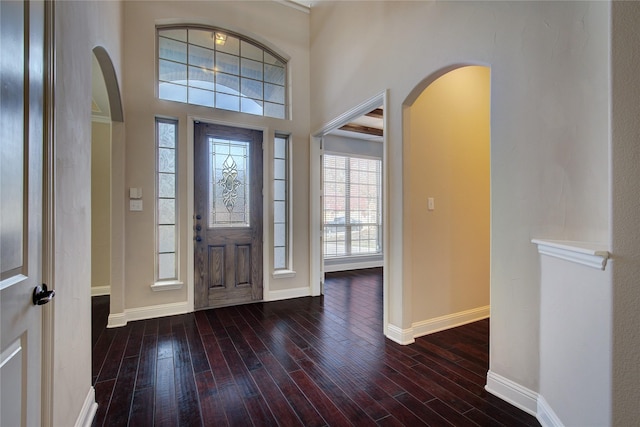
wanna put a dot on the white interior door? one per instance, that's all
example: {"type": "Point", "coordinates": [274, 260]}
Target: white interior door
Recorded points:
{"type": "Point", "coordinates": [21, 130]}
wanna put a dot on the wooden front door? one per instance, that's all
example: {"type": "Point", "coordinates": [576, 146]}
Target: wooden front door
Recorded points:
{"type": "Point", "coordinates": [227, 215]}
{"type": "Point", "coordinates": [21, 165]}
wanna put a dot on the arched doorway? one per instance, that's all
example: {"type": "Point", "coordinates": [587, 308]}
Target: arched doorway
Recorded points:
{"type": "Point", "coordinates": [446, 175]}
{"type": "Point", "coordinates": [107, 189]}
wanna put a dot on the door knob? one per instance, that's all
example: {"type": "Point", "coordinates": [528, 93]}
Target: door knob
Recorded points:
{"type": "Point", "coordinates": [198, 227]}
{"type": "Point", "coordinates": [198, 216]}
{"type": "Point", "coordinates": [41, 295]}
{"type": "Point", "coordinates": [198, 239]}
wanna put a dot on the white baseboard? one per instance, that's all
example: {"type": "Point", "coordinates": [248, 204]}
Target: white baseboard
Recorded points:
{"type": "Point", "coordinates": [441, 323]}
{"type": "Point", "coordinates": [287, 294]}
{"type": "Point", "coordinates": [512, 392]}
{"type": "Point", "coordinates": [399, 335]}
{"type": "Point", "coordinates": [346, 266]}
{"type": "Point", "coordinates": [88, 411]}
{"type": "Point", "coordinates": [116, 320]}
{"type": "Point", "coordinates": [97, 291]}
{"type": "Point", "coordinates": [151, 312]}
{"type": "Point", "coordinates": [546, 416]}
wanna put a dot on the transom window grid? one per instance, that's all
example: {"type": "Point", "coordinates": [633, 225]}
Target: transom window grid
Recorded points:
{"type": "Point", "coordinates": [166, 237]}
{"type": "Point", "coordinates": [352, 205]}
{"type": "Point", "coordinates": [229, 183]}
{"type": "Point", "coordinates": [281, 203]}
{"type": "Point", "coordinates": [218, 69]}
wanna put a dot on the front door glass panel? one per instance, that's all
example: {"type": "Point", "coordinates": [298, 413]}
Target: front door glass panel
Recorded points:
{"type": "Point", "coordinates": [229, 189]}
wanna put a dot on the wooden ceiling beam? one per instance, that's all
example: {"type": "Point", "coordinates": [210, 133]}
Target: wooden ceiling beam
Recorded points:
{"type": "Point", "coordinates": [378, 113]}
{"type": "Point", "coordinates": [352, 127]}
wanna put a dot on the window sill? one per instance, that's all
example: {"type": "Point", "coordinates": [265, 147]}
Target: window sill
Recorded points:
{"type": "Point", "coordinates": [167, 285]}
{"type": "Point", "coordinates": [283, 274]}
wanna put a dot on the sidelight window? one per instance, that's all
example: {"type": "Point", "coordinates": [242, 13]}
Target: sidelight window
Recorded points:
{"type": "Point", "coordinates": [166, 209]}
{"type": "Point", "coordinates": [281, 203]}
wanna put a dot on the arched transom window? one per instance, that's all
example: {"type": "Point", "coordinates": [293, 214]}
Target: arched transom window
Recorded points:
{"type": "Point", "coordinates": [218, 69]}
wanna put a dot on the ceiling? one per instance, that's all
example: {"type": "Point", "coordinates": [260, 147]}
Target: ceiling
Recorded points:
{"type": "Point", "coordinates": [305, 3]}
{"type": "Point", "coordinates": [369, 127]}
{"type": "Point", "coordinates": [99, 98]}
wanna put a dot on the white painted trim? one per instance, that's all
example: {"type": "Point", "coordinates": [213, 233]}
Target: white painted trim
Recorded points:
{"type": "Point", "coordinates": [116, 320]}
{"type": "Point", "coordinates": [546, 416]}
{"type": "Point", "coordinates": [287, 294]}
{"type": "Point", "coordinates": [10, 352]}
{"type": "Point", "coordinates": [167, 285]}
{"type": "Point", "coordinates": [151, 312]}
{"type": "Point", "coordinates": [512, 392]}
{"type": "Point", "coordinates": [354, 113]}
{"type": "Point", "coordinates": [88, 411]}
{"type": "Point", "coordinates": [316, 266]}
{"type": "Point", "coordinates": [441, 323]}
{"type": "Point", "coordinates": [590, 254]}
{"type": "Point", "coordinates": [283, 274]}
{"type": "Point", "coordinates": [97, 291]}
{"type": "Point", "coordinates": [399, 335]}
{"type": "Point", "coordinates": [344, 266]}
{"type": "Point", "coordinates": [100, 119]}
{"type": "Point", "coordinates": [4, 284]}
{"type": "Point", "coordinates": [190, 215]}
{"type": "Point", "coordinates": [297, 5]}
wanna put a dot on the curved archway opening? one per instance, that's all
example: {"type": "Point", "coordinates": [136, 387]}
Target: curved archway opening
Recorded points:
{"type": "Point", "coordinates": [447, 177]}
{"type": "Point", "coordinates": [107, 183]}
{"type": "Point", "coordinates": [110, 80]}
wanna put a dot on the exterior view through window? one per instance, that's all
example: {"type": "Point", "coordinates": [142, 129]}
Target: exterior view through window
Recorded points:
{"type": "Point", "coordinates": [217, 69]}
{"type": "Point", "coordinates": [352, 206]}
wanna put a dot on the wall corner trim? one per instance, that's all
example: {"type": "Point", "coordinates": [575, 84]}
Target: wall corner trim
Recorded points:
{"type": "Point", "coordinates": [448, 321]}
{"type": "Point", "coordinates": [88, 411]}
{"type": "Point", "coordinates": [546, 416]}
{"type": "Point", "coordinates": [590, 254]}
{"type": "Point", "coordinates": [399, 335]}
{"type": "Point", "coordinates": [512, 392]}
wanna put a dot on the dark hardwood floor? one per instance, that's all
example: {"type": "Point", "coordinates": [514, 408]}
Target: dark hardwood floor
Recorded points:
{"type": "Point", "coordinates": [309, 362]}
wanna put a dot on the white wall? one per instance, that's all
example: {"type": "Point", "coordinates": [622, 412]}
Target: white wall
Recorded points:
{"type": "Point", "coordinates": [280, 27]}
{"type": "Point", "coordinates": [549, 130]}
{"type": "Point", "coordinates": [575, 342]}
{"type": "Point", "coordinates": [79, 26]}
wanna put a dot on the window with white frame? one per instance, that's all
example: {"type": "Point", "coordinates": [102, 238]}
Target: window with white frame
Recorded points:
{"type": "Point", "coordinates": [218, 69]}
{"type": "Point", "coordinates": [166, 213]}
{"type": "Point", "coordinates": [281, 203]}
{"type": "Point", "coordinates": [352, 205]}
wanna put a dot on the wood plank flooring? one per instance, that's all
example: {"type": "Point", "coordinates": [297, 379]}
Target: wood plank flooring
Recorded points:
{"type": "Point", "coordinates": [305, 362]}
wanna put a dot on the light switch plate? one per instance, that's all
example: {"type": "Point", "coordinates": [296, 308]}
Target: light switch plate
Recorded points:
{"type": "Point", "coordinates": [135, 205]}
{"type": "Point", "coordinates": [430, 203]}
{"type": "Point", "coordinates": [135, 193]}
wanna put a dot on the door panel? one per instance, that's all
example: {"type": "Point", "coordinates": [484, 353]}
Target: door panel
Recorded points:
{"type": "Point", "coordinates": [228, 215]}
{"type": "Point", "coordinates": [21, 128]}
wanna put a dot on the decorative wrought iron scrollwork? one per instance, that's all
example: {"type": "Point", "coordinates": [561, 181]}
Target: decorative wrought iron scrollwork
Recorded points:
{"type": "Point", "coordinates": [229, 183]}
